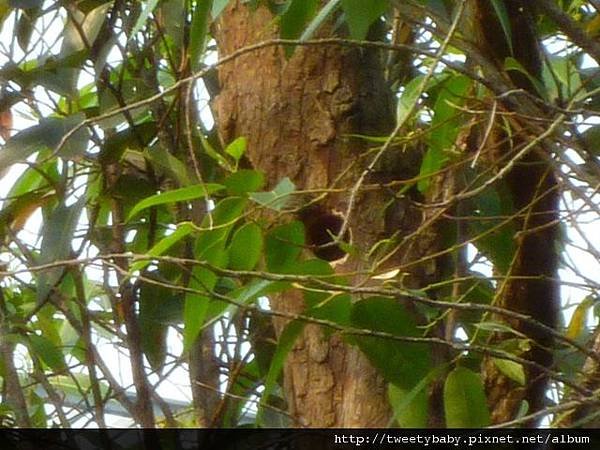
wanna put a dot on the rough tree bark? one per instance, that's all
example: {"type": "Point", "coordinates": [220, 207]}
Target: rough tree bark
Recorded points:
{"type": "Point", "coordinates": [532, 187]}
{"type": "Point", "coordinates": [295, 113]}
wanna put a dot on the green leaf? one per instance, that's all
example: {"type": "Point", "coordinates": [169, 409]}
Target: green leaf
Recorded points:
{"type": "Point", "coordinates": [498, 327]}
{"type": "Point", "coordinates": [283, 246]}
{"type": "Point", "coordinates": [502, 14]}
{"type": "Point", "coordinates": [360, 15]}
{"type": "Point", "coordinates": [163, 161]}
{"type": "Point", "coordinates": [131, 138]}
{"type": "Point", "coordinates": [210, 248]}
{"type": "Point", "coordinates": [26, 23]}
{"type": "Point", "coordinates": [141, 21]}
{"type": "Point", "coordinates": [446, 125]}
{"type": "Point", "coordinates": [214, 154]}
{"type": "Point", "coordinates": [321, 17]}
{"type": "Point", "coordinates": [498, 244]}
{"type": "Point", "coordinates": [465, 403]}
{"type": "Point", "coordinates": [183, 229]}
{"type": "Point", "coordinates": [246, 247]}
{"type": "Point", "coordinates": [218, 7]}
{"type": "Point", "coordinates": [512, 64]}
{"type": "Point", "coordinates": [203, 280]}
{"type": "Point", "coordinates": [591, 140]}
{"type": "Point", "coordinates": [131, 90]}
{"type": "Point", "coordinates": [159, 306]}
{"type": "Point", "coordinates": [511, 369]}
{"type": "Point", "coordinates": [194, 314]}
{"type": "Point", "coordinates": [37, 410]}
{"type": "Point", "coordinates": [410, 96]}
{"type": "Point", "coordinates": [47, 134]}
{"type": "Point", "coordinates": [278, 197]}
{"type": "Point", "coordinates": [49, 353]}
{"type": "Point", "coordinates": [410, 405]}
{"type": "Point", "coordinates": [563, 78]}
{"type": "Point", "coordinates": [176, 195]}
{"type": "Point", "coordinates": [80, 31]}
{"type": "Point", "coordinates": [244, 181]}
{"type": "Point", "coordinates": [402, 363]}
{"type": "Point", "coordinates": [225, 215]}
{"type": "Point", "coordinates": [87, 24]}
{"type": "Point", "coordinates": [331, 306]}
{"type": "Point", "coordinates": [199, 32]}
{"type": "Point", "coordinates": [286, 342]}
{"type": "Point", "coordinates": [580, 318]}
{"type": "Point", "coordinates": [73, 384]}
{"type": "Point", "coordinates": [243, 295]}
{"type": "Point", "coordinates": [56, 244]}
{"type": "Point", "coordinates": [173, 16]}
{"type": "Point", "coordinates": [297, 15]}
{"type": "Point", "coordinates": [237, 148]}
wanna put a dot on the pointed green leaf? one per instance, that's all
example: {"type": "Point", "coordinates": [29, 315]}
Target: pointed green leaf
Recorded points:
{"type": "Point", "coordinates": [512, 64]}
{"type": "Point", "coordinates": [197, 306]}
{"type": "Point", "coordinates": [278, 197]}
{"type": "Point", "coordinates": [246, 247]}
{"type": "Point", "coordinates": [502, 14]}
{"type": "Point", "coordinates": [410, 96]}
{"type": "Point", "coordinates": [296, 16]}
{"type": "Point", "coordinates": [401, 363]}
{"type": "Point", "coordinates": [141, 21]}
{"type": "Point", "coordinates": [511, 369]}
{"type": "Point", "coordinates": [579, 319]}
{"type": "Point", "coordinates": [465, 403]}
{"type": "Point", "coordinates": [49, 353]}
{"type": "Point", "coordinates": [183, 230]}
{"type": "Point", "coordinates": [218, 7]}
{"type": "Point", "coordinates": [209, 248]}
{"type": "Point", "coordinates": [164, 161]}
{"type": "Point", "coordinates": [283, 246]}
{"type": "Point", "coordinates": [446, 124]}
{"type": "Point", "coordinates": [57, 244]}
{"type": "Point", "coordinates": [286, 342]}
{"type": "Point", "coordinates": [216, 231]}
{"type": "Point", "coordinates": [176, 195]}
{"type": "Point", "coordinates": [87, 24]}
{"type": "Point", "coordinates": [204, 281]}
{"type": "Point", "coordinates": [237, 148]}
{"type": "Point", "coordinates": [361, 14]}
{"type": "Point", "coordinates": [591, 140]}
{"type": "Point", "coordinates": [159, 307]}
{"type": "Point", "coordinates": [409, 405]}
{"type": "Point", "coordinates": [321, 18]}
{"type": "Point", "coordinates": [47, 134]}
{"type": "Point", "coordinates": [199, 32]}
{"type": "Point", "coordinates": [244, 181]}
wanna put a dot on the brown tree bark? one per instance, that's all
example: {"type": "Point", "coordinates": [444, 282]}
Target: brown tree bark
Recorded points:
{"type": "Point", "coordinates": [529, 287]}
{"type": "Point", "coordinates": [295, 113]}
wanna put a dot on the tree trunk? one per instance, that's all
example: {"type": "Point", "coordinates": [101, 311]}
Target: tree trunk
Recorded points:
{"type": "Point", "coordinates": [529, 286]}
{"type": "Point", "coordinates": [295, 113]}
